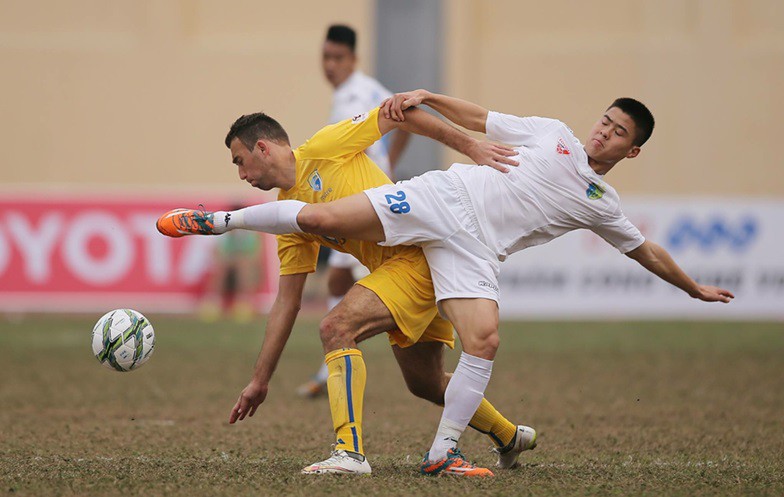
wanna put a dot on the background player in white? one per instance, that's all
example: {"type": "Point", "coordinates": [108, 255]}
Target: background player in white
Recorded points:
{"type": "Point", "coordinates": [355, 93]}
{"type": "Point", "coordinates": [469, 218]}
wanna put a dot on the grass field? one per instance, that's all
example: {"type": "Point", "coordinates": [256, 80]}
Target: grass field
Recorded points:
{"type": "Point", "coordinates": [621, 408]}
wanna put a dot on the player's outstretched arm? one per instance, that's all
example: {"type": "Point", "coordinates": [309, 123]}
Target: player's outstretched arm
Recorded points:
{"type": "Point", "coordinates": [656, 260]}
{"type": "Point", "coordinates": [461, 112]}
{"type": "Point", "coordinates": [279, 325]}
{"type": "Point", "coordinates": [420, 122]}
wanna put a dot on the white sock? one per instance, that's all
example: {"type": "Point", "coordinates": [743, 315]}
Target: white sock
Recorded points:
{"type": "Point", "coordinates": [463, 395]}
{"type": "Point", "coordinates": [273, 217]}
{"type": "Point", "coordinates": [323, 373]}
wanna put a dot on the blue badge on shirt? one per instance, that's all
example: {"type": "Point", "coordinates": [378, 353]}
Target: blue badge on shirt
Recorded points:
{"type": "Point", "coordinates": [314, 180]}
{"type": "Point", "coordinates": [594, 191]}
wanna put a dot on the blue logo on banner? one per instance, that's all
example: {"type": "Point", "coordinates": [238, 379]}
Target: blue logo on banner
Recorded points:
{"type": "Point", "coordinates": [714, 233]}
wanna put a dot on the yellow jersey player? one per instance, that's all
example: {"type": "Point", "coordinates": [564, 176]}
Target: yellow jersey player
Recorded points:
{"type": "Point", "coordinates": [355, 93]}
{"type": "Point", "coordinates": [397, 297]}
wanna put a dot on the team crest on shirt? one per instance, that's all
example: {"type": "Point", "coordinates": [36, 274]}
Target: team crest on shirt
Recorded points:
{"type": "Point", "coordinates": [594, 191]}
{"type": "Point", "coordinates": [561, 147]}
{"type": "Point", "coordinates": [359, 118]}
{"type": "Point", "coordinates": [314, 180]}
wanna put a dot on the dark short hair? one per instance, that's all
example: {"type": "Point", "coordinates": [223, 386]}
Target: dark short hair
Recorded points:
{"type": "Point", "coordinates": [340, 33]}
{"type": "Point", "coordinates": [642, 117]}
{"type": "Point", "coordinates": [250, 128]}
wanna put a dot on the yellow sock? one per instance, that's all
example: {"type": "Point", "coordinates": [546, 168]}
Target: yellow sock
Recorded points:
{"type": "Point", "coordinates": [490, 422]}
{"type": "Point", "coordinates": [346, 388]}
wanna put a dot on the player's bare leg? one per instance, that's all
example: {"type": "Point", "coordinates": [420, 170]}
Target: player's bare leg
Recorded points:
{"type": "Point", "coordinates": [422, 366]}
{"type": "Point", "coordinates": [476, 323]}
{"type": "Point", "coordinates": [339, 281]}
{"type": "Point", "coordinates": [348, 217]}
{"type": "Point", "coordinates": [360, 315]}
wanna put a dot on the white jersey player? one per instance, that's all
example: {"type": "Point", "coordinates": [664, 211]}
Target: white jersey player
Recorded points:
{"type": "Point", "coordinates": [474, 218]}
{"type": "Point", "coordinates": [355, 93]}
{"type": "Point", "coordinates": [469, 218]}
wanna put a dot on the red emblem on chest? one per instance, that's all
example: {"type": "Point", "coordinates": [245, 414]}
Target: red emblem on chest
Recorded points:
{"type": "Point", "coordinates": [561, 147]}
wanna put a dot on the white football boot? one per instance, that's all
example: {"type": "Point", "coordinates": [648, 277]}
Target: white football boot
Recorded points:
{"type": "Point", "coordinates": [525, 439]}
{"type": "Point", "coordinates": [341, 463]}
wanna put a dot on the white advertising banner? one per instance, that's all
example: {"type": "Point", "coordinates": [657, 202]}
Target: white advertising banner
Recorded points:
{"type": "Point", "coordinates": [733, 243]}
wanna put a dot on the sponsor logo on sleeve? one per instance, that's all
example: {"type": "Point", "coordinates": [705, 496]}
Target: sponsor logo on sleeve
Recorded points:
{"type": "Point", "coordinates": [488, 285]}
{"type": "Point", "coordinates": [359, 118]}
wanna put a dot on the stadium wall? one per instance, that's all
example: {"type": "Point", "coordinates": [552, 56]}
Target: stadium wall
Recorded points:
{"type": "Point", "coordinates": [710, 71]}
{"type": "Point", "coordinates": [132, 93]}
{"type": "Point", "coordinates": [135, 93]}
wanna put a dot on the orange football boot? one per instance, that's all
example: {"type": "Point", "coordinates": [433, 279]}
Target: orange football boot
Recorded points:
{"type": "Point", "coordinates": [181, 222]}
{"type": "Point", "coordinates": [453, 464]}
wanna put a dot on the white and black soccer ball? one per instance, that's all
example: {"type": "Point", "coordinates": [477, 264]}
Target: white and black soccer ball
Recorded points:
{"type": "Point", "coordinates": [123, 339]}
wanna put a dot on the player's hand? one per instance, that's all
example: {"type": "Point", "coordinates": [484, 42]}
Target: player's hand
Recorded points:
{"type": "Point", "coordinates": [393, 107]}
{"type": "Point", "coordinates": [493, 155]}
{"type": "Point", "coordinates": [250, 399]}
{"type": "Point", "coordinates": [709, 293]}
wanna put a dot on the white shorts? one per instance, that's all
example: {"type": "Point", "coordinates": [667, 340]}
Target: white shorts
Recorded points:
{"type": "Point", "coordinates": [434, 212]}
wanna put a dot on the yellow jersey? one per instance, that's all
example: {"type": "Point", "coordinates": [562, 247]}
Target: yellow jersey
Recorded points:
{"type": "Point", "coordinates": [332, 165]}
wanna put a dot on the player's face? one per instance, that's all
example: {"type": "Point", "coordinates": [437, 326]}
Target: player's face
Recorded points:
{"type": "Point", "coordinates": [611, 138]}
{"type": "Point", "coordinates": [338, 62]}
{"type": "Point", "coordinates": [257, 167]}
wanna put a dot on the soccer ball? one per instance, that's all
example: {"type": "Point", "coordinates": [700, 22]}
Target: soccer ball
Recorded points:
{"type": "Point", "coordinates": [123, 339]}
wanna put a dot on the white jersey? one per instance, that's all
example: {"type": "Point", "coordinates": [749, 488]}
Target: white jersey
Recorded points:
{"type": "Point", "coordinates": [357, 95]}
{"type": "Point", "coordinates": [552, 191]}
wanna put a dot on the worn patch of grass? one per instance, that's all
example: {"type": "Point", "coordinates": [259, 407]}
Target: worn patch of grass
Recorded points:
{"type": "Point", "coordinates": [622, 409]}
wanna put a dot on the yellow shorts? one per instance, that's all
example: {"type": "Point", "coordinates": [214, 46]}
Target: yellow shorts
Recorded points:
{"type": "Point", "coordinates": [403, 283]}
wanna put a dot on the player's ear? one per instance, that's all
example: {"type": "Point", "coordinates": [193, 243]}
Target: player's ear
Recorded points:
{"type": "Point", "coordinates": [634, 152]}
{"type": "Point", "coordinates": [262, 146]}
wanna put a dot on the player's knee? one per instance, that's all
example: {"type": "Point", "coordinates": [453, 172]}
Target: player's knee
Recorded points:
{"type": "Point", "coordinates": [312, 219]}
{"type": "Point", "coordinates": [492, 342]}
{"type": "Point", "coordinates": [483, 342]}
{"type": "Point", "coordinates": [308, 219]}
{"type": "Point", "coordinates": [335, 333]}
